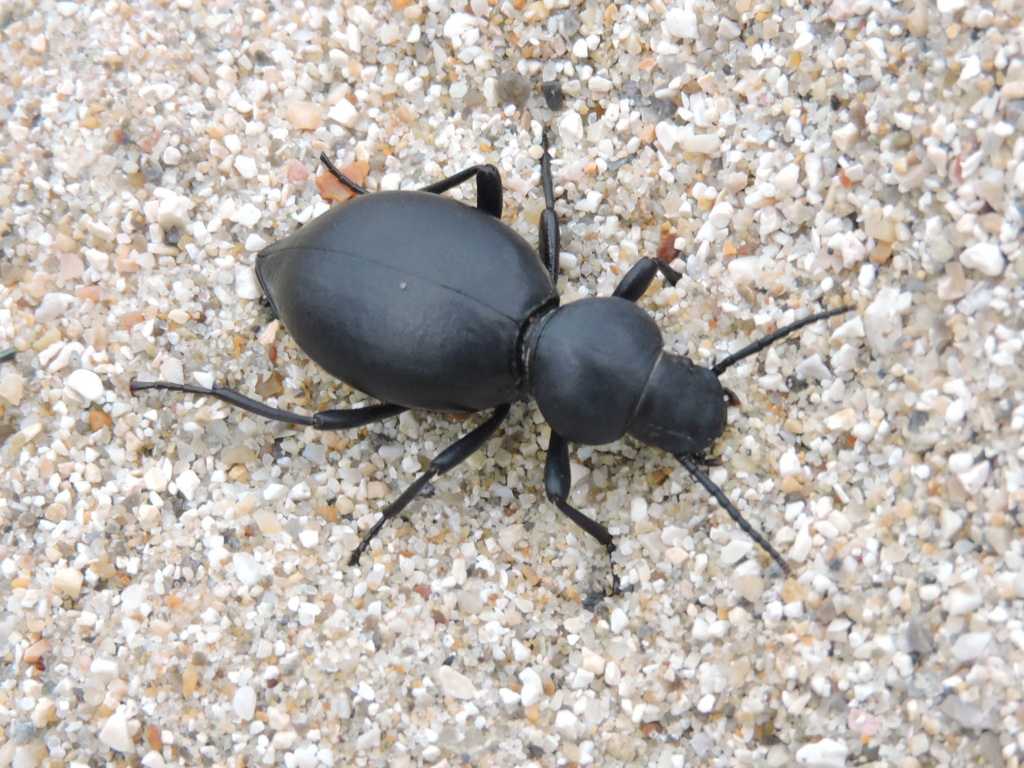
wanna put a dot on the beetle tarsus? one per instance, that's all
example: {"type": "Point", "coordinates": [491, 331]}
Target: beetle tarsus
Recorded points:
{"type": "Point", "coordinates": [332, 169]}
{"type": "Point", "coordinates": [690, 463]}
{"type": "Point", "coordinates": [550, 237]}
{"type": "Point", "coordinates": [449, 458]}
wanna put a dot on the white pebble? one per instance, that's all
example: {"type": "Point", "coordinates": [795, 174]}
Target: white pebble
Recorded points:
{"type": "Point", "coordinates": [638, 510]}
{"type": "Point", "coordinates": [591, 661]}
{"type": "Point", "coordinates": [246, 167]}
{"type": "Point", "coordinates": [567, 724]}
{"type": "Point", "coordinates": [247, 569]}
{"type": "Point", "coordinates": [974, 479]}
{"type": "Point", "coordinates": [309, 538]}
{"type": "Point", "coordinates": [845, 138]}
{"type": "Point", "coordinates": [681, 23]}
{"type": "Point", "coordinates": [365, 691]}
{"type": "Point", "coordinates": [570, 129]}
{"type": "Point", "coordinates": [248, 215]}
{"type": "Point", "coordinates": [960, 462]}
{"type": "Point", "coordinates": [52, 307]}
{"type": "Point", "coordinates": [102, 671]}
{"type": "Point", "coordinates": [721, 215]}
{"type": "Point", "coordinates": [87, 384]}
{"type": "Point", "coordinates": [735, 551]}
{"type": "Point", "coordinates": [984, 257]}
{"type": "Point", "coordinates": [173, 211]}
{"type": "Point", "coordinates": [618, 621]}
{"type": "Point", "coordinates": [155, 480]}
{"type": "Point", "coordinates": [115, 734]}
{"type": "Point", "coordinates": [787, 180]}
{"type": "Point", "coordinates": [12, 387]}
{"type": "Point", "coordinates": [370, 739]}
{"type": "Point", "coordinates": [456, 27]}
{"type": "Point", "coordinates": [455, 684]}
{"type": "Point", "coordinates": [827, 753]}
{"type": "Point", "coordinates": [801, 545]}
{"type": "Point", "coordinates": [706, 703]}
{"type": "Point", "coordinates": [579, 49]}
{"type": "Point", "coordinates": [702, 143]}
{"type": "Point", "coordinates": [746, 270]}
{"type": "Point", "coordinates": [244, 702]}
{"type": "Point", "coordinates": [275, 492]}
{"type": "Point", "coordinates": [789, 464]}
{"type": "Point", "coordinates": [171, 156]}
{"type": "Point", "coordinates": [508, 697]}
{"type": "Point", "coordinates": [69, 581]}
{"type": "Point", "coordinates": [188, 483]}
{"type": "Point", "coordinates": [246, 284]}
{"type": "Point", "coordinates": [532, 690]}
{"type": "Point", "coordinates": [950, 523]}
{"type": "Point", "coordinates": [971, 646]}
{"type": "Point", "coordinates": [581, 679]}
{"type": "Point", "coordinates": [843, 420]}
{"type": "Point", "coordinates": [962, 600]}
{"type": "Point", "coordinates": [344, 113]}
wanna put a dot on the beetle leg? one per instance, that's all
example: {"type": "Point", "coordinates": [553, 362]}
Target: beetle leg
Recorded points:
{"type": "Point", "coordinates": [488, 187]}
{"type": "Point", "coordinates": [690, 463]}
{"type": "Point", "coordinates": [550, 239]}
{"type": "Point", "coordinates": [730, 398]}
{"type": "Point", "coordinates": [341, 176]}
{"type": "Point", "coordinates": [322, 420]}
{"type": "Point", "coordinates": [449, 458]}
{"type": "Point", "coordinates": [557, 484]}
{"type": "Point", "coordinates": [640, 276]}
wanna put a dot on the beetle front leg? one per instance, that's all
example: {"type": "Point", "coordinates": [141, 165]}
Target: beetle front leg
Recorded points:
{"type": "Point", "coordinates": [488, 187]}
{"type": "Point", "coordinates": [450, 457]}
{"type": "Point", "coordinates": [557, 479]}
{"type": "Point", "coordinates": [640, 276]}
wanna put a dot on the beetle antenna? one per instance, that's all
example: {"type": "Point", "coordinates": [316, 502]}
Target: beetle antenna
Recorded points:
{"type": "Point", "coordinates": [690, 463]}
{"type": "Point", "coordinates": [771, 338]}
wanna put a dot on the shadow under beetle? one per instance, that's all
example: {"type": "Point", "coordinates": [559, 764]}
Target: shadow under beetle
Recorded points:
{"type": "Point", "coordinates": [426, 303]}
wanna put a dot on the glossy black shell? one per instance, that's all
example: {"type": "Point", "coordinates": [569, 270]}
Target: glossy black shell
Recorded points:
{"type": "Point", "coordinates": [413, 298]}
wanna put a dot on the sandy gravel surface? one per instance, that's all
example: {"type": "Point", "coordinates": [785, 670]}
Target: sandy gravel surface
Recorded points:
{"type": "Point", "coordinates": [173, 579]}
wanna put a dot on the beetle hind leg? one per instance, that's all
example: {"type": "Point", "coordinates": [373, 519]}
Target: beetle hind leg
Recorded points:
{"type": "Point", "coordinates": [449, 458]}
{"type": "Point", "coordinates": [322, 420]}
{"type": "Point", "coordinates": [556, 484]}
{"type": "Point", "coordinates": [488, 187]}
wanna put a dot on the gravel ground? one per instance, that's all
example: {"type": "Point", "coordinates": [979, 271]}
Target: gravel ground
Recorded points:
{"type": "Point", "coordinates": [172, 571]}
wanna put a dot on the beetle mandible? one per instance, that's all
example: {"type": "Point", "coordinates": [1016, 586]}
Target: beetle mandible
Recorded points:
{"type": "Point", "coordinates": [423, 302]}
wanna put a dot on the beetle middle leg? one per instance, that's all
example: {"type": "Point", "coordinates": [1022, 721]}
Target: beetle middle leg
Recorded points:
{"type": "Point", "coordinates": [557, 479]}
{"type": "Point", "coordinates": [450, 457]}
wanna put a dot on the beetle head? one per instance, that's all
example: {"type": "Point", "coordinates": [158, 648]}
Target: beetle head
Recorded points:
{"type": "Point", "coordinates": [683, 408]}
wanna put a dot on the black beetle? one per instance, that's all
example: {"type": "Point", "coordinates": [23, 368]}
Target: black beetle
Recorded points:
{"type": "Point", "coordinates": [423, 302]}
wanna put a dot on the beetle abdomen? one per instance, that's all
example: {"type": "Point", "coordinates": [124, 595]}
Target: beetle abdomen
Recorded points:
{"type": "Point", "coordinates": [414, 314]}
